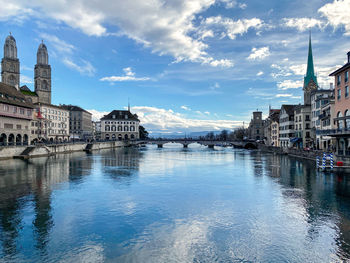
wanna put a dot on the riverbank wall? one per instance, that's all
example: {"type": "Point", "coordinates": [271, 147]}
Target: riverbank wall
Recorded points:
{"type": "Point", "coordinates": [25, 152]}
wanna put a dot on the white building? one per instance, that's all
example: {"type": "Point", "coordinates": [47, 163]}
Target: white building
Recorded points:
{"type": "Point", "coordinates": [120, 125]}
{"type": "Point", "coordinates": [286, 126]}
{"type": "Point", "coordinates": [51, 123]}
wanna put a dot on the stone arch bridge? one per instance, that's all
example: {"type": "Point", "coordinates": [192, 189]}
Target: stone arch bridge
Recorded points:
{"type": "Point", "coordinates": [209, 143]}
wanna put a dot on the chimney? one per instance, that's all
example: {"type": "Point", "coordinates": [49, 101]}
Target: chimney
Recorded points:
{"type": "Point", "coordinates": [349, 57]}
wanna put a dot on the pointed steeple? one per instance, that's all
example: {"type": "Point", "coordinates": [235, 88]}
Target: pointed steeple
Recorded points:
{"type": "Point", "coordinates": [310, 72]}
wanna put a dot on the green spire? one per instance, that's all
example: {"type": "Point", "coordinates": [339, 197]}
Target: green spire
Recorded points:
{"type": "Point", "coordinates": [310, 73]}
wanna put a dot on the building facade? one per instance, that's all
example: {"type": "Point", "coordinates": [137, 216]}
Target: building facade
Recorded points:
{"type": "Point", "coordinates": [120, 125]}
{"type": "Point", "coordinates": [96, 130]}
{"type": "Point", "coordinates": [342, 109]}
{"type": "Point", "coordinates": [51, 123]}
{"type": "Point", "coordinates": [271, 128]}
{"type": "Point", "coordinates": [15, 117]}
{"type": "Point", "coordinates": [319, 99]}
{"type": "Point", "coordinates": [256, 126]}
{"type": "Point", "coordinates": [286, 125]}
{"type": "Point", "coordinates": [302, 126]}
{"type": "Point", "coordinates": [80, 123]}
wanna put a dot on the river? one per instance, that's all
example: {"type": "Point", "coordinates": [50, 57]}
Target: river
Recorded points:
{"type": "Point", "coordinates": [172, 205]}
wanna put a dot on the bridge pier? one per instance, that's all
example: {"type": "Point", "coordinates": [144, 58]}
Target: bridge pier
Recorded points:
{"type": "Point", "coordinates": [160, 145]}
{"type": "Point", "coordinates": [211, 146]}
{"type": "Point", "coordinates": [185, 145]}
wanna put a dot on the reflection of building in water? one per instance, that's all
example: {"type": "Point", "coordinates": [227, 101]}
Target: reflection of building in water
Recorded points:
{"type": "Point", "coordinates": [324, 198]}
{"type": "Point", "coordinates": [18, 180]}
{"type": "Point", "coordinates": [121, 162]}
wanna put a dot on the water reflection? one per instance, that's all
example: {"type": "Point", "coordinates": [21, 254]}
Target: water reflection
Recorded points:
{"type": "Point", "coordinates": [172, 204]}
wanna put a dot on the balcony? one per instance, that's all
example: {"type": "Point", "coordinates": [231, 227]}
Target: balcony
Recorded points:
{"type": "Point", "coordinates": [324, 116]}
{"type": "Point", "coordinates": [334, 132]}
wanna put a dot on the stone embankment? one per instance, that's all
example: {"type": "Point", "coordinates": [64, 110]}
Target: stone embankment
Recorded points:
{"type": "Point", "coordinates": [311, 155]}
{"type": "Point", "coordinates": [26, 152]}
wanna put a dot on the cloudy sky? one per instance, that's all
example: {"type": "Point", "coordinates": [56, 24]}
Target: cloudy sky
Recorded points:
{"type": "Point", "coordinates": [185, 65]}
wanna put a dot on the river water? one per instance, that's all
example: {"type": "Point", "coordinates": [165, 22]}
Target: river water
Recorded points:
{"type": "Point", "coordinates": [172, 205]}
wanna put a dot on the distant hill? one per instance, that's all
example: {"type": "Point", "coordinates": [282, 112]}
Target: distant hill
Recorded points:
{"type": "Point", "coordinates": [182, 135]}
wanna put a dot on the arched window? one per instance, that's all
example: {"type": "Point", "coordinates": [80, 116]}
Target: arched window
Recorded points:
{"type": "Point", "coordinates": [107, 136]}
{"type": "Point", "coordinates": [12, 80]}
{"type": "Point", "coordinates": [44, 84]}
{"type": "Point", "coordinates": [107, 128]}
{"type": "Point", "coordinates": [120, 128]}
{"type": "Point", "coordinates": [113, 127]}
{"type": "Point", "coordinates": [126, 128]}
{"type": "Point", "coordinates": [347, 120]}
{"type": "Point", "coordinates": [132, 128]}
{"type": "Point", "coordinates": [340, 122]}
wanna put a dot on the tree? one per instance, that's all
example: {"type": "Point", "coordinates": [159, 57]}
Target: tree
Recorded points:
{"type": "Point", "coordinates": [223, 135]}
{"type": "Point", "coordinates": [143, 132]}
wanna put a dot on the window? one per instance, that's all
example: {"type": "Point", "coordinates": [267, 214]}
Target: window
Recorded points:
{"type": "Point", "coordinates": [346, 76]}
{"type": "Point", "coordinates": [346, 91]}
{"type": "Point", "coordinates": [339, 94]}
{"type": "Point", "coordinates": [338, 80]}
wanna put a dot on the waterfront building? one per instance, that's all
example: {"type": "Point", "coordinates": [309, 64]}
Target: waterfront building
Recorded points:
{"type": "Point", "coordinates": [302, 126]}
{"type": "Point", "coordinates": [342, 109]}
{"type": "Point", "coordinates": [52, 124]}
{"type": "Point", "coordinates": [319, 119]}
{"type": "Point", "coordinates": [326, 117]}
{"type": "Point", "coordinates": [256, 126]}
{"type": "Point", "coordinates": [271, 128]}
{"type": "Point", "coordinates": [274, 127]}
{"type": "Point", "coordinates": [120, 125]}
{"type": "Point", "coordinates": [80, 124]}
{"type": "Point", "coordinates": [286, 125]}
{"type": "Point", "coordinates": [96, 130]}
{"type": "Point", "coordinates": [15, 116]}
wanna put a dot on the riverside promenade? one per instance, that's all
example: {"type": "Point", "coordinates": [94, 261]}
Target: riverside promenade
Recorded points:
{"type": "Point", "coordinates": [32, 151]}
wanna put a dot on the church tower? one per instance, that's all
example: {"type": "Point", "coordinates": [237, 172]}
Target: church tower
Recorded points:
{"type": "Point", "coordinates": [10, 63]}
{"type": "Point", "coordinates": [42, 75]}
{"type": "Point", "coordinates": [310, 80]}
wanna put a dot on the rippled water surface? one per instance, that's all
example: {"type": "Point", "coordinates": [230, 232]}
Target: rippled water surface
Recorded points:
{"type": "Point", "coordinates": [172, 205]}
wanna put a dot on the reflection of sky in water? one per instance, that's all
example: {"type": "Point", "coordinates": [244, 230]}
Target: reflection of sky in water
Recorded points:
{"type": "Point", "coordinates": [172, 205]}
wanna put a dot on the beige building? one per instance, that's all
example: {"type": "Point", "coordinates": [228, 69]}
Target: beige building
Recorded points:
{"type": "Point", "coordinates": [80, 123]}
{"type": "Point", "coordinates": [51, 123]}
{"type": "Point", "coordinates": [15, 117]}
{"type": "Point", "coordinates": [120, 125]}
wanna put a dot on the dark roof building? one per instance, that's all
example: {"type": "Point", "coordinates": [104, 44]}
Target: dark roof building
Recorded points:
{"type": "Point", "coordinates": [120, 115]}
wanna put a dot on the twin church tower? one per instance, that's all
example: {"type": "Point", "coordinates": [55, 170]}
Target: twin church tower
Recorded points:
{"type": "Point", "coordinates": [10, 70]}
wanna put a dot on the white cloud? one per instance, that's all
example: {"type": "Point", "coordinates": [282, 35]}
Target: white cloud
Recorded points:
{"type": "Point", "coordinates": [232, 28]}
{"type": "Point", "coordinates": [26, 79]}
{"type": "Point", "coordinates": [337, 14]}
{"type": "Point", "coordinates": [289, 84]}
{"type": "Point", "coordinates": [259, 53]}
{"type": "Point", "coordinates": [129, 76]}
{"type": "Point", "coordinates": [97, 115]}
{"type": "Point", "coordinates": [302, 24]}
{"type": "Point", "coordinates": [10, 10]}
{"type": "Point", "coordinates": [233, 3]}
{"type": "Point", "coordinates": [84, 67]}
{"type": "Point", "coordinates": [185, 108]}
{"type": "Point", "coordinates": [166, 27]}
{"type": "Point", "coordinates": [60, 45]}
{"type": "Point", "coordinates": [283, 95]}
{"type": "Point", "coordinates": [260, 73]}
